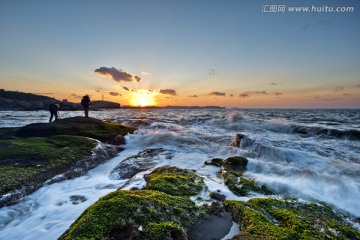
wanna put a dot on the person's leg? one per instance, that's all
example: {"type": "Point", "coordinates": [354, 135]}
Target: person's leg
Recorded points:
{"type": "Point", "coordinates": [86, 112]}
{"type": "Point", "coordinates": [51, 116]}
{"type": "Point", "coordinates": [56, 115]}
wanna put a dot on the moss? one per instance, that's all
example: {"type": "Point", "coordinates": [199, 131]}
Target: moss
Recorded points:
{"type": "Point", "coordinates": [161, 230]}
{"type": "Point", "coordinates": [79, 126]}
{"type": "Point", "coordinates": [24, 160]}
{"type": "Point", "coordinates": [233, 169]}
{"type": "Point", "coordinates": [235, 164]}
{"type": "Point", "coordinates": [287, 219]}
{"type": "Point", "coordinates": [174, 181]}
{"type": "Point", "coordinates": [158, 212]}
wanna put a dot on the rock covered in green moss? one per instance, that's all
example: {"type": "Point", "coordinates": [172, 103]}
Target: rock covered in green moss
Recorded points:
{"type": "Point", "coordinates": [33, 154]}
{"type": "Point", "coordinates": [174, 181]}
{"type": "Point", "coordinates": [164, 212]}
{"type": "Point", "coordinates": [269, 218]}
{"type": "Point", "coordinates": [108, 132]}
{"type": "Point", "coordinates": [232, 170]}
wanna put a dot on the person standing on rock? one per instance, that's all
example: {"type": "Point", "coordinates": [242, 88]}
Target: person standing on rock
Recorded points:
{"type": "Point", "coordinates": [54, 108]}
{"type": "Point", "coordinates": [85, 102]}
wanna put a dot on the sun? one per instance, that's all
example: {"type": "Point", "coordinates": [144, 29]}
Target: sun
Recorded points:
{"type": "Point", "coordinates": [142, 98]}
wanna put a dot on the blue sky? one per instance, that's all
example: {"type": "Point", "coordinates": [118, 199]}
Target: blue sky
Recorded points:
{"type": "Point", "coordinates": [193, 47]}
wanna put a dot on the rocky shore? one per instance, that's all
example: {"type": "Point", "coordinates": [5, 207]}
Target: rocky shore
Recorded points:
{"type": "Point", "coordinates": [171, 204]}
{"type": "Point", "coordinates": [43, 153]}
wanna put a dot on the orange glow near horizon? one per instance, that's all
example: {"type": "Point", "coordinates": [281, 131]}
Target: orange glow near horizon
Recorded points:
{"type": "Point", "coordinates": [142, 98]}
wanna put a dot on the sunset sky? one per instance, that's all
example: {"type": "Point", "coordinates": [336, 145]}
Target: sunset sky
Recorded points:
{"type": "Point", "coordinates": [183, 52]}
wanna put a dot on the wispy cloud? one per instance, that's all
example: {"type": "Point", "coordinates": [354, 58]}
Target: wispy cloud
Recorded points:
{"type": "Point", "coordinates": [193, 96]}
{"type": "Point", "coordinates": [117, 74]}
{"type": "Point", "coordinates": [168, 92]}
{"type": "Point", "coordinates": [221, 94]}
{"type": "Point", "coordinates": [327, 98]}
{"type": "Point", "coordinates": [115, 94]}
{"type": "Point", "coordinates": [144, 73]}
{"type": "Point", "coordinates": [251, 93]}
{"type": "Point", "coordinates": [231, 95]}
{"type": "Point", "coordinates": [75, 96]}
{"type": "Point", "coordinates": [358, 85]}
{"type": "Point", "coordinates": [126, 89]}
{"type": "Point", "coordinates": [275, 83]}
{"type": "Point", "coordinates": [339, 89]}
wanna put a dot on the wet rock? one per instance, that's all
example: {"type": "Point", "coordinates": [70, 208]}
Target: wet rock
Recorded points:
{"type": "Point", "coordinates": [217, 196]}
{"type": "Point", "coordinates": [241, 141]}
{"type": "Point", "coordinates": [269, 218]}
{"type": "Point", "coordinates": [76, 199]}
{"type": "Point", "coordinates": [135, 164]}
{"type": "Point", "coordinates": [235, 164]}
{"type": "Point", "coordinates": [215, 162]}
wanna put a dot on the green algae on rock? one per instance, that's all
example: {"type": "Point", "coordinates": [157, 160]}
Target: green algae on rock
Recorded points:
{"type": "Point", "coordinates": [79, 126]}
{"type": "Point", "coordinates": [174, 181]}
{"type": "Point", "coordinates": [25, 161]}
{"type": "Point", "coordinates": [232, 173]}
{"type": "Point", "coordinates": [269, 218]}
{"type": "Point", "coordinates": [163, 211]}
{"type": "Point", "coordinates": [33, 154]}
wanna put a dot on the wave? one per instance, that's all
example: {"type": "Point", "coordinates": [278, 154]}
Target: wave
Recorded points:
{"type": "Point", "coordinates": [239, 122]}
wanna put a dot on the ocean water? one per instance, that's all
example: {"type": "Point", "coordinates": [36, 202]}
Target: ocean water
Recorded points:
{"type": "Point", "coordinates": [310, 154]}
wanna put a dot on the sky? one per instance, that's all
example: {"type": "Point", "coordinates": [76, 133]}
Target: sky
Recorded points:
{"type": "Point", "coordinates": [231, 53]}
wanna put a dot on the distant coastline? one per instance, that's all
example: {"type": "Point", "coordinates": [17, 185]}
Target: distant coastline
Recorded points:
{"type": "Point", "coordinates": [20, 101]}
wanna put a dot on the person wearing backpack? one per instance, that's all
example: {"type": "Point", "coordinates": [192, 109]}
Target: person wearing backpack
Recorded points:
{"type": "Point", "coordinates": [85, 102]}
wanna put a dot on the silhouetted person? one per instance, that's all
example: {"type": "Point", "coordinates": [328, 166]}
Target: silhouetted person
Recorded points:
{"type": "Point", "coordinates": [54, 108]}
{"type": "Point", "coordinates": [85, 101]}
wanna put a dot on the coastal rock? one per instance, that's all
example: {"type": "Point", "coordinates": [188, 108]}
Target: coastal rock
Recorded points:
{"type": "Point", "coordinates": [43, 153]}
{"type": "Point", "coordinates": [241, 141]}
{"type": "Point", "coordinates": [174, 181]}
{"type": "Point", "coordinates": [135, 164]}
{"type": "Point", "coordinates": [162, 211]}
{"type": "Point", "coordinates": [107, 132]}
{"type": "Point", "coordinates": [269, 218]}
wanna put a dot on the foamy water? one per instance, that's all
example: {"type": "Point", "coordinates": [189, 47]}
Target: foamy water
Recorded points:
{"type": "Point", "coordinates": [312, 154]}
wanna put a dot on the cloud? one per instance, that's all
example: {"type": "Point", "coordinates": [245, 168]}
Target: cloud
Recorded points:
{"type": "Point", "coordinates": [114, 94]}
{"type": "Point", "coordinates": [217, 94]}
{"type": "Point", "coordinates": [358, 85]}
{"type": "Point", "coordinates": [339, 89]}
{"type": "Point", "coordinates": [75, 95]}
{"type": "Point", "coordinates": [327, 98]}
{"type": "Point", "coordinates": [125, 88]}
{"type": "Point", "coordinates": [275, 83]}
{"type": "Point", "coordinates": [144, 73]}
{"type": "Point", "coordinates": [251, 93]}
{"type": "Point", "coordinates": [117, 74]}
{"type": "Point", "coordinates": [168, 92]}
{"type": "Point", "coordinates": [193, 96]}
{"type": "Point", "coordinates": [277, 94]}
{"type": "Point", "coordinates": [347, 94]}
{"type": "Point", "coordinates": [231, 95]}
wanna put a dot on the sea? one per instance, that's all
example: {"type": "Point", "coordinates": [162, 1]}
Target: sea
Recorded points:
{"type": "Point", "coordinates": [313, 155]}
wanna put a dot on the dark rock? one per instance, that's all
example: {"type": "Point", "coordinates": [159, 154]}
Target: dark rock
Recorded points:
{"type": "Point", "coordinates": [128, 233]}
{"type": "Point", "coordinates": [217, 196]}
{"type": "Point", "coordinates": [135, 164]}
{"type": "Point", "coordinates": [107, 132]}
{"type": "Point", "coordinates": [76, 199]}
{"type": "Point", "coordinates": [242, 141]}
{"type": "Point", "coordinates": [215, 162]}
{"type": "Point", "coordinates": [235, 164]}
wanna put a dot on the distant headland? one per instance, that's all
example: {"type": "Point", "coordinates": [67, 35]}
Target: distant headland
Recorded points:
{"type": "Point", "coordinates": [20, 101]}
